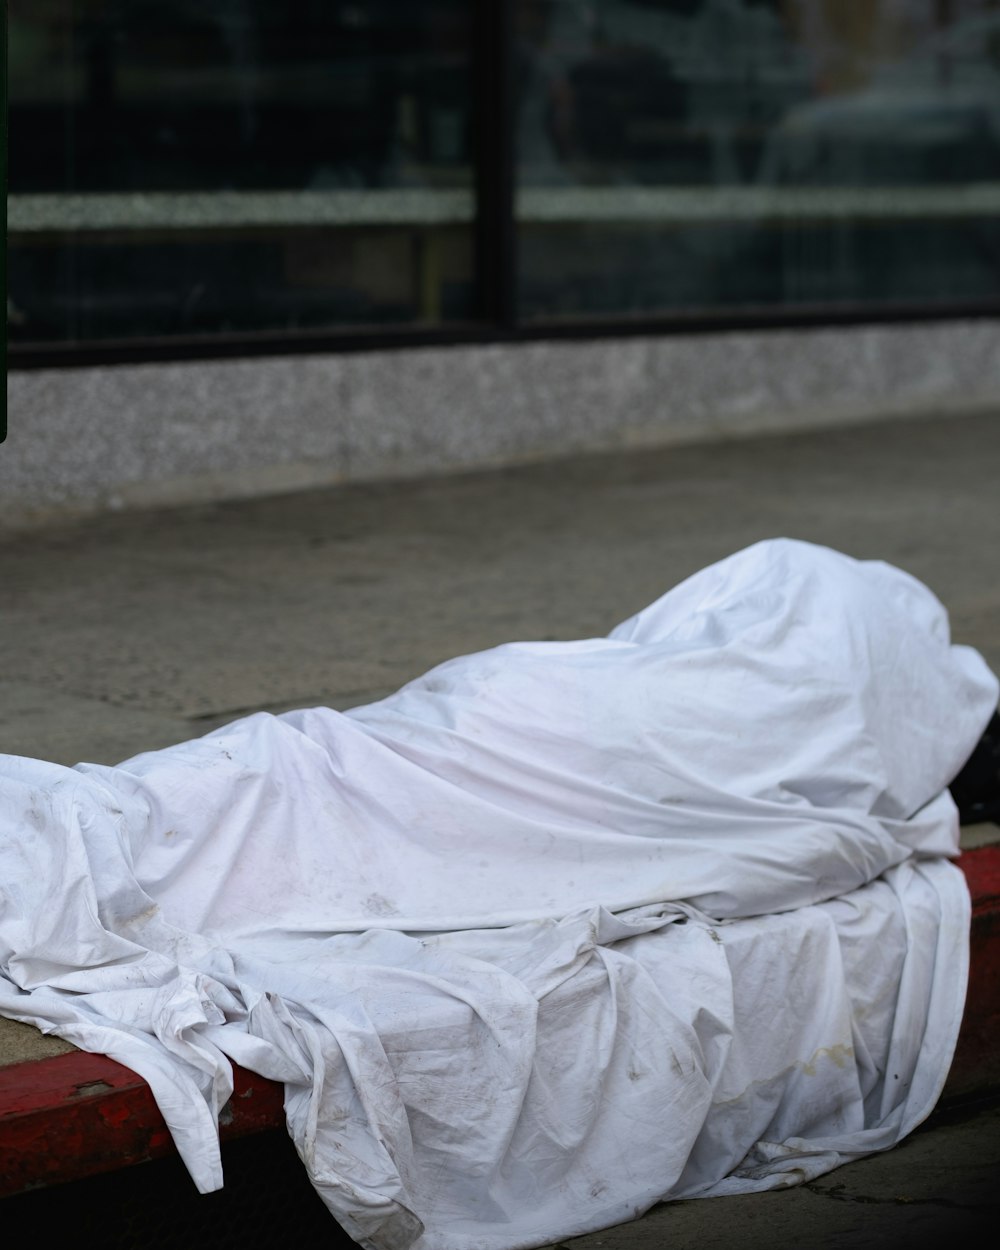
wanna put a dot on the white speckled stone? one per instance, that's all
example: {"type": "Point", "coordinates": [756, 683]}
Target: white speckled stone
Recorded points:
{"type": "Point", "coordinates": [84, 440]}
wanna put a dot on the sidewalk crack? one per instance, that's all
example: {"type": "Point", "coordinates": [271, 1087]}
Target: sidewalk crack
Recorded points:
{"type": "Point", "coordinates": [839, 1193]}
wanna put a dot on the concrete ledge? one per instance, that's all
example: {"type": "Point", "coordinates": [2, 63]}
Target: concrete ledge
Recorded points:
{"type": "Point", "coordinates": [133, 436]}
{"type": "Point", "coordinates": [77, 1115]}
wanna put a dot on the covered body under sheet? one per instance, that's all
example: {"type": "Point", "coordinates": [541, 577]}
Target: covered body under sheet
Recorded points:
{"type": "Point", "coordinates": [556, 931]}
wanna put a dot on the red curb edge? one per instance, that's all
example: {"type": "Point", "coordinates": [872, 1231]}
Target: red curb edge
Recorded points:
{"type": "Point", "coordinates": [976, 1065]}
{"type": "Point", "coordinates": [78, 1114]}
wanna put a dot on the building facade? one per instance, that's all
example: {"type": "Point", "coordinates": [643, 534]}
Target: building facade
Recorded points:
{"type": "Point", "coordinates": [255, 245]}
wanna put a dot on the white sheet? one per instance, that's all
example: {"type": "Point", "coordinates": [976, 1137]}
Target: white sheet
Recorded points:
{"type": "Point", "coordinates": [556, 931]}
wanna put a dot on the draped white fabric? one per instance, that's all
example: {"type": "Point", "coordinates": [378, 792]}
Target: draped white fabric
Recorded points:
{"type": "Point", "coordinates": [556, 931]}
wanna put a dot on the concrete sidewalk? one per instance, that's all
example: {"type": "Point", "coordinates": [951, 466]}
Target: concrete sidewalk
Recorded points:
{"type": "Point", "coordinates": [137, 630]}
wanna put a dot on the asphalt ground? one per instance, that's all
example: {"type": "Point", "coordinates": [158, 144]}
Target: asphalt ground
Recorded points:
{"type": "Point", "coordinates": [135, 630]}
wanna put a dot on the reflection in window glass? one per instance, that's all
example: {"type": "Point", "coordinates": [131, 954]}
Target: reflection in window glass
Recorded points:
{"type": "Point", "coordinates": [191, 166]}
{"type": "Point", "coordinates": [704, 154]}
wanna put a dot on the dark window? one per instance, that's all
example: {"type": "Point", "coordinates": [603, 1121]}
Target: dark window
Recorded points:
{"type": "Point", "coordinates": [184, 167]}
{"type": "Point", "coordinates": [191, 171]}
{"type": "Point", "coordinates": [741, 153]}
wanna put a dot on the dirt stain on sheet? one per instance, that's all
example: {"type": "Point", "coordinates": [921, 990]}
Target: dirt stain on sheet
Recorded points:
{"type": "Point", "coordinates": [377, 905]}
{"type": "Point", "coordinates": [840, 1054]}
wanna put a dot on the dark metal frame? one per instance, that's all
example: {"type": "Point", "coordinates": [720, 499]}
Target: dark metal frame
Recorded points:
{"type": "Point", "coordinates": [496, 267]}
{"type": "Point", "coordinates": [696, 322]}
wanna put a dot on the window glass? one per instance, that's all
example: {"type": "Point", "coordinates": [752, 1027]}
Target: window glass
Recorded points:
{"type": "Point", "coordinates": [189, 168]}
{"type": "Point", "coordinates": [183, 167]}
{"type": "Point", "coordinates": [709, 154]}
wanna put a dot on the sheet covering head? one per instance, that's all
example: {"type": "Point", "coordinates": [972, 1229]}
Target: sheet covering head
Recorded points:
{"type": "Point", "coordinates": [776, 730]}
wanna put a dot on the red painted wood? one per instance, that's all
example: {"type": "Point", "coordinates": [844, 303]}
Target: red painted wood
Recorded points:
{"type": "Point", "coordinates": [976, 1064]}
{"type": "Point", "coordinates": [79, 1114]}
{"type": "Point", "coordinates": [982, 872]}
